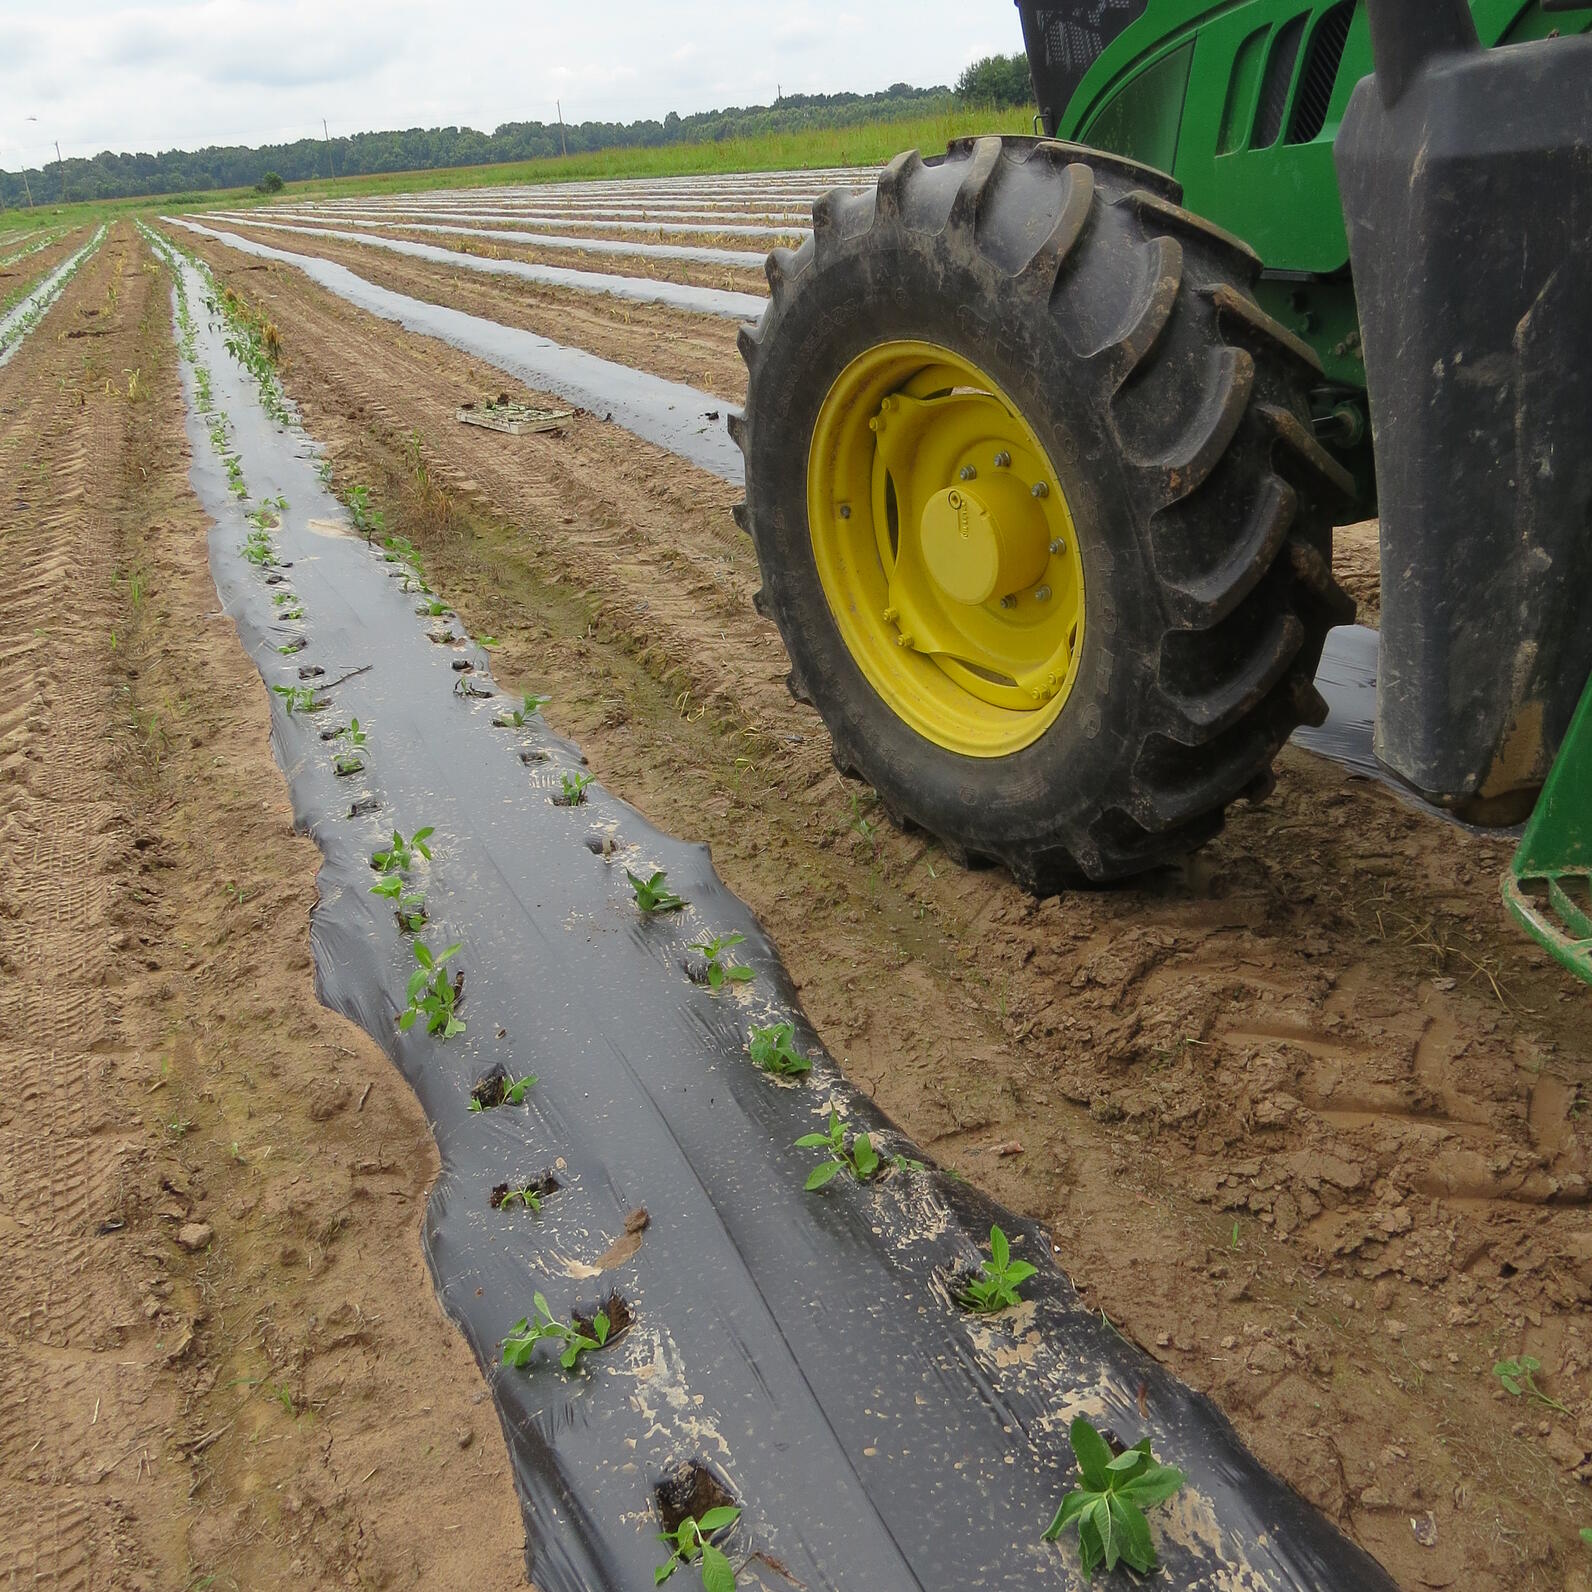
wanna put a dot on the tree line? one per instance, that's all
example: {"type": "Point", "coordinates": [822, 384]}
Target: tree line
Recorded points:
{"type": "Point", "coordinates": [178, 172]}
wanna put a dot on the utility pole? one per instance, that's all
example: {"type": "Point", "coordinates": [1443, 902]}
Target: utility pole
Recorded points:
{"type": "Point", "coordinates": [329, 166]}
{"type": "Point", "coordinates": [561, 144]}
{"type": "Point", "coordinates": [62, 164]}
{"type": "Point", "coordinates": [25, 188]}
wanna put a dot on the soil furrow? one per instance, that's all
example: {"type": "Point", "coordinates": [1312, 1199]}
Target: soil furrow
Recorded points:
{"type": "Point", "coordinates": [696, 349]}
{"type": "Point", "coordinates": [213, 1322]}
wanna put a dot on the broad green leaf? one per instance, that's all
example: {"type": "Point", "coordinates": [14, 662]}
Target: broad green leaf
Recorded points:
{"type": "Point", "coordinates": [1020, 1271]}
{"type": "Point", "coordinates": [718, 1519]}
{"type": "Point", "coordinates": [1132, 1534]}
{"type": "Point", "coordinates": [423, 954]}
{"type": "Point", "coordinates": [1072, 1506]}
{"type": "Point", "coordinates": [864, 1155]}
{"type": "Point", "coordinates": [1090, 1550]}
{"type": "Point", "coordinates": [1128, 1464]}
{"type": "Point", "coordinates": [406, 1020]}
{"type": "Point", "coordinates": [540, 1301]}
{"type": "Point", "coordinates": [821, 1174]}
{"type": "Point", "coordinates": [1100, 1518]}
{"type": "Point", "coordinates": [1093, 1455]}
{"type": "Point", "coordinates": [813, 1141]}
{"type": "Point", "coordinates": [717, 1576]}
{"type": "Point", "coordinates": [665, 1570]}
{"type": "Point", "coordinates": [599, 1327]}
{"type": "Point", "coordinates": [1154, 1485]}
{"type": "Point", "coordinates": [999, 1249]}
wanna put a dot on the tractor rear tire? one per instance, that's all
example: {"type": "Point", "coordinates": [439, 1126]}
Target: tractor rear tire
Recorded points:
{"type": "Point", "coordinates": [1173, 410]}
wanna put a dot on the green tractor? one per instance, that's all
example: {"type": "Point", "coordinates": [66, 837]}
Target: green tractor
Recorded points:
{"type": "Point", "coordinates": [1046, 437]}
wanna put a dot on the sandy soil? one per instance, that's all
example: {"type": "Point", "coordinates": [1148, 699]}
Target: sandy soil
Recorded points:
{"type": "Point", "coordinates": [1306, 1117]}
{"type": "Point", "coordinates": [1356, 562]}
{"type": "Point", "coordinates": [698, 349]}
{"type": "Point", "coordinates": [222, 1362]}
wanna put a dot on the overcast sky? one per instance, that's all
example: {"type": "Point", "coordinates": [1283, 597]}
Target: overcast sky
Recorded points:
{"type": "Point", "coordinates": [99, 75]}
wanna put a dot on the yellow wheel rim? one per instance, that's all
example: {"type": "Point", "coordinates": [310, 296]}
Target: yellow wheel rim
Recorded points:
{"type": "Point", "coordinates": [946, 549]}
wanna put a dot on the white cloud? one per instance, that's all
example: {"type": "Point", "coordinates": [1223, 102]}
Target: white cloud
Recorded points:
{"type": "Point", "coordinates": [102, 75]}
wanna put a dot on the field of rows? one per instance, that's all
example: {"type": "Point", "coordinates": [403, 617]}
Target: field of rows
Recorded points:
{"type": "Point", "coordinates": [1304, 1122]}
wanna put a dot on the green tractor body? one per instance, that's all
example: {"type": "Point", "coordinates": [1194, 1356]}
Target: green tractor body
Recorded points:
{"type": "Point", "coordinates": [1242, 102]}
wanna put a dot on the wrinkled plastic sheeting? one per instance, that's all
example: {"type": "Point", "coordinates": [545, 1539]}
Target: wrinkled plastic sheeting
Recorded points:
{"type": "Point", "coordinates": [805, 1346]}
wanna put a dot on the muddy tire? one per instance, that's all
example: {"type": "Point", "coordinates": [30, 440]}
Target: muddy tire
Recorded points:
{"type": "Point", "coordinates": [1174, 414]}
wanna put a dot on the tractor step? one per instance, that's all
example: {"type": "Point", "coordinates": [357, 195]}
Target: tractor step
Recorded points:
{"type": "Point", "coordinates": [1548, 885]}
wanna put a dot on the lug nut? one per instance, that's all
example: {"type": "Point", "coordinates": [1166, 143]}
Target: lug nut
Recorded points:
{"type": "Point", "coordinates": [1042, 595]}
{"type": "Point", "coordinates": [890, 616]}
{"type": "Point", "coordinates": [1008, 602]}
{"type": "Point", "coordinates": [1058, 546]}
{"type": "Point", "coordinates": [845, 511]}
{"type": "Point", "coordinates": [1003, 460]}
{"type": "Point", "coordinates": [967, 473]}
{"type": "Point", "coordinates": [1040, 490]}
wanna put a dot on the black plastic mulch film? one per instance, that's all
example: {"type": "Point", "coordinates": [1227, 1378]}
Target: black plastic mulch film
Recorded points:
{"type": "Point", "coordinates": [805, 1347]}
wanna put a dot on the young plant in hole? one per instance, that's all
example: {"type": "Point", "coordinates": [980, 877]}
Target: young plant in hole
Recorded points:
{"type": "Point", "coordinates": [653, 895]}
{"type": "Point", "coordinates": [574, 789]}
{"type": "Point", "coordinates": [720, 973]}
{"type": "Point", "coordinates": [346, 764]}
{"type": "Point", "coordinates": [527, 1196]}
{"type": "Point", "coordinates": [409, 905]}
{"type": "Point", "coordinates": [465, 687]}
{"type": "Point", "coordinates": [400, 856]}
{"type": "Point", "coordinates": [288, 648]}
{"type": "Point", "coordinates": [688, 1544]}
{"type": "Point", "coordinates": [353, 735]}
{"type": "Point", "coordinates": [1001, 1276]}
{"type": "Point", "coordinates": [1109, 1501]}
{"type": "Point", "coordinates": [299, 698]}
{"type": "Point", "coordinates": [526, 1333]}
{"type": "Point", "coordinates": [1519, 1377]}
{"type": "Point", "coordinates": [500, 1091]}
{"type": "Point", "coordinates": [434, 608]}
{"type": "Point", "coordinates": [432, 994]}
{"type": "Point", "coordinates": [514, 718]}
{"type": "Point", "coordinates": [773, 1050]}
{"type": "Point", "coordinates": [854, 1153]}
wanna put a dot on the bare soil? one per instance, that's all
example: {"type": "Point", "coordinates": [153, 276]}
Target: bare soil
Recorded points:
{"type": "Point", "coordinates": [698, 349]}
{"type": "Point", "coordinates": [222, 1361]}
{"type": "Point", "coordinates": [1307, 1118]}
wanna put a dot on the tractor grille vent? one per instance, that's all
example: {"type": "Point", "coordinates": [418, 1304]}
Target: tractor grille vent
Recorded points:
{"type": "Point", "coordinates": [1064, 41]}
{"type": "Point", "coordinates": [1320, 75]}
{"type": "Point", "coordinates": [1274, 87]}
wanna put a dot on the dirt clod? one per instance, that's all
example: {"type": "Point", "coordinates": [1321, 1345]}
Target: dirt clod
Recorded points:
{"type": "Point", "coordinates": [194, 1236]}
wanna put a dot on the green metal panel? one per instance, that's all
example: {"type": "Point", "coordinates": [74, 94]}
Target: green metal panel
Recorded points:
{"type": "Point", "coordinates": [1282, 198]}
{"type": "Point", "coordinates": [1548, 887]}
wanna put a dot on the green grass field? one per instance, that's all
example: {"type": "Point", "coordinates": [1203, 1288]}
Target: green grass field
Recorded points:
{"type": "Point", "coordinates": [868, 143]}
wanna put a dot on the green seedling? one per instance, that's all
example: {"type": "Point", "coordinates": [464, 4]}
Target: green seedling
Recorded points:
{"type": "Point", "coordinates": [526, 1333]}
{"type": "Point", "coordinates": [652, 895]}
{"type": "Point", "coordinates": [466, 687]}
{"type": "Point", "coordinates": [353, 735]}
{"type": "Point", "coordinates": [346, 764]}
{"type": "Point", "coordinates": [1109, 1501]}
{"type": "Point", "coordinates": [996, 1288]}
{"type": "Point", "coordinates": [720, 973]}
{"type": "Point", "coordinates": [400, 550]}
{"type": "Point", "coordinates": [773, 1050]}
{"type": "Point", "coordinates": [515, 718]}
{"type": "Point", "coordinates": [528, 1197]}
{"type": "Point", "coordinates": [295, 612]}
{"type": "Point", "coordinates": [500, 1091]}
{"type": "Point", "coordinates": [574, 789]}
{"type": "Point", "coordinates": [432, 994]}
{"type": "Point", "coordinates": [299, 698]}
{"type": "Point", "coordinates": [410, 905]}
{"type": "Point", "coordinates": [854, 1153]}
{"type": "Point", "coordinates": [279, 503]}
{"type": "Point", "coordinates": [400, 856]}
{"type": "Point", "coordinates": [367, 521]}
{"type": "Point", "coordinates": [433, 608]}
{"type": "Point", "coordinates": [297, 644]}
{"type": "Point", "coordinates": [263, 518]}
{"type": "Point", "coordinates": [1519, 1378]}
{"type": "Point", "coordinates": [688, 1544]}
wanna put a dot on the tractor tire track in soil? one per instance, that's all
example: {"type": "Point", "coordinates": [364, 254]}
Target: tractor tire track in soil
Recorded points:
{"type": "Point", "coordinates": [1306, 1117]}
{"type": "Point", "coordinates": [220, 1353]}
